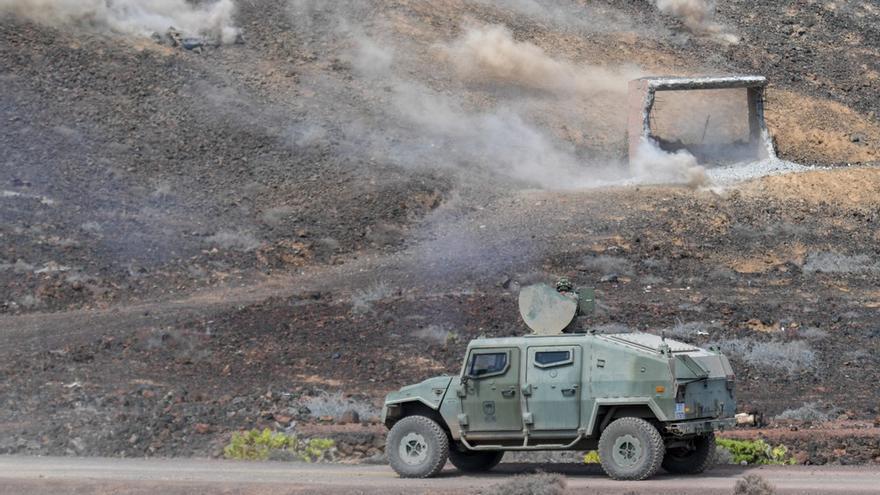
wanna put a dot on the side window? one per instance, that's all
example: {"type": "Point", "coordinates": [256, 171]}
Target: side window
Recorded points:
{"type": "Point", "coordinates": [547, 359]}
{"type": "Point", "coordinates": [487, 364]}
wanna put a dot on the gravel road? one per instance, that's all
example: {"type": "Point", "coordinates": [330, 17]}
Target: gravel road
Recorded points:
{"type": "Point", "coordinates": [53, 475]}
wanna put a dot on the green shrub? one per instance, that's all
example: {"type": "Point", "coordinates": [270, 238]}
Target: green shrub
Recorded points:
{"type": "Point", "coordinates": [755, 452]}
{"type": "Point", "coordinates": [315, 449]}
{"type": "Point", "coordinates": [256, 445]}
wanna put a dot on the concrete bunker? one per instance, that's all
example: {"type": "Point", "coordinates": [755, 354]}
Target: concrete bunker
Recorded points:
{"type": "Point", "coordinates": [719, 120]}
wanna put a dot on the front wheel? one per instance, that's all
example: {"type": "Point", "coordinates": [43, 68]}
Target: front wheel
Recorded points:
{"type": "Point", "coordinates": [417, 447]}
{"type": "Point", "coordinates": [631, 449]}
{"type": "Point", "coordinates": [474, 462]}
{"type": "Point", "coordinates": [693, 459]}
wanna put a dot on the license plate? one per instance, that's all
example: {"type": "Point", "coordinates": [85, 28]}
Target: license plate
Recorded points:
{"type": "Point", "coordinates": [679, 410]}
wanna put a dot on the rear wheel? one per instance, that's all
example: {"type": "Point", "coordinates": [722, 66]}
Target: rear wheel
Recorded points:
{"type": "Point", "coordinates": [693, 459]}
{"type": "Point", "coordinates": [631, 449]}
{"type": "Point", "coordinates": [417, 447]}
{"type": "Point", "coordinates": [473, 462]}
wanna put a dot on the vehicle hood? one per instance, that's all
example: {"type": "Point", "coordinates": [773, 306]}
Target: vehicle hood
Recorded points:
{"type": "Point", "coordinates": [430, 392]}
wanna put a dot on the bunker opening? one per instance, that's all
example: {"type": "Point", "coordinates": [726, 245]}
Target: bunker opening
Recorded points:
{"type": "Point", "coordinates": [719, 120]}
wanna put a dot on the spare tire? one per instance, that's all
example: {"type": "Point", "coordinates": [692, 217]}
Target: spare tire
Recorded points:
{"type": "Point", "coordinates": [684, 460]}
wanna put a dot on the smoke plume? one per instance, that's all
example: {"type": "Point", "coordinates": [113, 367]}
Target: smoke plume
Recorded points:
{"type": "Point", "coordinates": [653, 164]}
{"type": "Point", "coordinates": [493, 108]}
{"type": "Point", "coordinates": [490, 53]}
{"type": "Point", "coordinates": [698, 16]}
{"type": "Point", "coordinates": [135, 17]}
{"type": "Point", "coordinates": [515, 133]}
{"type": "Point", "coordinates": [498, 140]}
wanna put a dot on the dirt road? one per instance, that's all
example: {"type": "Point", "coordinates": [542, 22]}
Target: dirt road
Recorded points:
{"type": "Point", "coordinates": [44, 475]}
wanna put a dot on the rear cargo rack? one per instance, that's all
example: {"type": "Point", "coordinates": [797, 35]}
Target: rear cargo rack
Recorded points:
{"type": "Point", "coordinates": [633, 340]}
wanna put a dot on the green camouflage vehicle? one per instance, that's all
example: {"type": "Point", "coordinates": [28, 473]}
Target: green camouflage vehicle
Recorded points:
{"type": "Point", "coordinates": [642, 401]}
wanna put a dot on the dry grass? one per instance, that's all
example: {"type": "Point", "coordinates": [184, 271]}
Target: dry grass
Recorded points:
{"type": "Point", "coordinates": [435, 333]}
{"type": "Point", "coordinates": [362, 300]}
{"type": "Point", "coordinates": [336, 404]}
{"type": "Point", "coordinates": [606, 265]}
{"type": "Point", "coordinates": [687, 332]}
{"type": "Point", "coordinates": [810, 412]}
{"type": "Point", "coordinates": [830, 262]}
{"type": "Point", "coordinates": [812, 333]}
{"type": "Point", "coordinates": [753, 484]}
{"type": "Point", "coordinates": [812, 130]}
{"type": "Point", "coordinates": [791, 357]}
{"type": "Point", "coordinates": [239, 241]}
{"type": "Point", "coordinates": [534, 484]}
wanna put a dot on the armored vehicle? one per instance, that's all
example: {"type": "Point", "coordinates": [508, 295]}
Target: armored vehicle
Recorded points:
{"type": "Point", "coordinates": [641, 400]}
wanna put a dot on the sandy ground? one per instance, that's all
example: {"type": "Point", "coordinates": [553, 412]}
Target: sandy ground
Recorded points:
{"type": "Point", "coordinates": [39, 475]}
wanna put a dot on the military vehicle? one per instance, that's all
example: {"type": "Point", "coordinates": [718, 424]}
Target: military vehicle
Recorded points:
{"type": "Point", "coordinates": [641, 400]}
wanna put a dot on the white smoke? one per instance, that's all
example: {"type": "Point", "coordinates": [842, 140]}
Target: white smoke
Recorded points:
{"type": "Point", "coordinates": [502, 136]}
{"type": "Point", "coordinates": [135, 17]}
{"type": "Point", "coordinates": [655, 165]}
{"type": "Point", "coordinates": [499, 139]}
{"type": "Point", "coordinates": [698, 16]}
{"type": "Point", "coordinates": [490, 53]}
{"type": "Point", "coordinates": [493, 108]}
{"type": "Point", "coordinates": [582, 17]}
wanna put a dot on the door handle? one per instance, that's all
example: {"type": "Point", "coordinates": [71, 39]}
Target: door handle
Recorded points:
{"type": "Point", "coordinates": [569, 392]}
{"type": "Point", "coordinates": [508, 393]}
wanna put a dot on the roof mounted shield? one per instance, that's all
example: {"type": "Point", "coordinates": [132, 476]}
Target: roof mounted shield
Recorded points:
{"type": "Point", "coordinates": [545, 310]}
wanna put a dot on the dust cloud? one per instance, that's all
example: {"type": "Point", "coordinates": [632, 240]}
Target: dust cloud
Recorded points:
{"type": "Point", "coordinates": [502, 136]}
{"type": "Point", "coordinates": [492, 108]}
{"type": "Point", "coordinates": [499, 140]}
{"type": "Point", "coordinates": [134, 17]}
{"type": "Point", "coordinates": [580, 17]}
{"type": "Point", "coordinates": [655, 165]}
{"type": "Point", "coordinates": [490, 53]}
{"type": "Point", "coordinates": [698, 16]}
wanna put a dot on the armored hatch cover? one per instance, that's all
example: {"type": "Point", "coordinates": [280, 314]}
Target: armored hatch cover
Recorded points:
{"type": "Point", "coordinates": [651, 341]}
{"type": "Point", "coordinates": [545, 310]}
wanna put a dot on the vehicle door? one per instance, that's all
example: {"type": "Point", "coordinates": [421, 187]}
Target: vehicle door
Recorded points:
{"type": "Point", "coordinates": [490, 395]}
{"type": "Point", "coordinates": [552, 388]}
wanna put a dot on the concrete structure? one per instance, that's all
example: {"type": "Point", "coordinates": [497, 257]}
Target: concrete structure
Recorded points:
{"type": "Point", "coordinates": [642, 95]}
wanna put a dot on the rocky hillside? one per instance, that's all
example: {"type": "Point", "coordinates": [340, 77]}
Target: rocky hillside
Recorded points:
{"type": "Point", "coordinates": [222, 225]}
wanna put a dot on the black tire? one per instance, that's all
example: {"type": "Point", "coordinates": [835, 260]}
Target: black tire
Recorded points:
{"type": "Point", "coordinates": [474, 462]}
{"type": "Point", "coordinates": [631, 449]}
{"type": "Point", "coordinates": [417, 447]}
{"type": "Point", "coordinates": [682, 460]}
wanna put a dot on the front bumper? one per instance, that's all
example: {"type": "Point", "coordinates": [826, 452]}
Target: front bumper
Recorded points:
{"type": "Point", "coordinates": [700, 426]}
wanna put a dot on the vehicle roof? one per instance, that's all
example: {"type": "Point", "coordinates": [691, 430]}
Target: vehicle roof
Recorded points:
{"type": "Point", "coordinates": [560, 339]}
{"type": "Point", "coordinates": [637, 340]}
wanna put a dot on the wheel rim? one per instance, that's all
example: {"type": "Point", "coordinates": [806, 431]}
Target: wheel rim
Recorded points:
{"type": "Point", "coordinates": [627, 451]}
{"type": "Point", "coordinates": [413, 449]}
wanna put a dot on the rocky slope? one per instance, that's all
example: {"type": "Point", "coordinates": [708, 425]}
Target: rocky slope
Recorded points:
{"type": "Point", "coordinates": [199, 241]}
